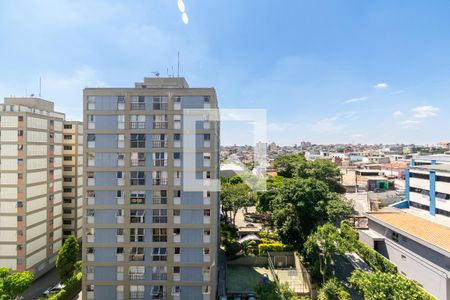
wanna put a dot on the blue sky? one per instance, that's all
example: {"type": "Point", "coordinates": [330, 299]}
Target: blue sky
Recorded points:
{"type": "Point", "coordinates": [326, 71]}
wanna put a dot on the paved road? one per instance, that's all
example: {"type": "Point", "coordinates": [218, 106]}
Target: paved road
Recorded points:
{"type": "Point", "coordinates": [41, 284]}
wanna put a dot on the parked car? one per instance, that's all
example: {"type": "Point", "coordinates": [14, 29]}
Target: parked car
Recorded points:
{"type": "Point", "coordinates": [54, 289]}
{"type": "Point", "coordinates": [250, 225]}
{"type": "Point", "coordinates": [249, 219]}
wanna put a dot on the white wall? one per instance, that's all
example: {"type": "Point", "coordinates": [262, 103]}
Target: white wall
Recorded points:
{"type": "Point", "coordinates": [36, 231]}
{"type": "Point", "coordinates": [36, 258]}
{"type": "Point", "coordinates": [58, 138]}
{"type": "Point", "coordinates": [57, 198]}
{"type": "Point", "coordinates": [8, 164]}
{"type": "Point", "coordinates": [36, 244]}
{"type": "Point", "coordinates": [37, 136]}
{"type": "Point", "coordinates": [8, 150]}
{"type": "Point", "coordinates": [36, 217]}
{"type": "Point", "coordinates": [8, 235]}
{"type": "Point", "coordinates": [58, 125]}
{"type": "Point", "coordinates": [57, 210]}
{"type": "Point", "coordinates": [8, 178]}
{"type": "Point", "coordinates": [8, 250]}
{"type": "Point", "coordinates": [8, 221]}
{"type": "Point", "coordinates": [35, 177]}
{"type": "Point", "coordinates": [8, 193]}
{"type": "Point", "coordinates": [37, 203]}
{"type": "Point", "coordinates": [58, 162]}
{"type": "Point", "coordinates": [37, 123]}
{"type": "Point", "coordinates": [36, 163]}
{"type": "Point", "coordinates": [9, 263]}
{"type": "Point", "coordinates": [9, 121]}
{"type": "Point", "coordinates": [8, 207]}
{"type": "Point", "coordinates": [36, 150]}
{"type": "Point", "coordinates": [37, 190]}
{"type": "Point", "coordinates": [57, 222]}
{"type": "Point", "coordinates": [9, 136]}
{"type": "Point", "coordinates": [58, 150]}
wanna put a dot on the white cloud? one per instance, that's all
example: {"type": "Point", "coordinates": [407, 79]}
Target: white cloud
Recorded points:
{"type": "Point", "coordinates": [425, 111]}
{"type": "Point", "coordinates": [397, 114]}
{"type": "Point", "coordinates": [281, 127]}
{"type": "Point", "coordinates": [381, 85]}
{"type": "Point", "coordinates": [409, 124]}
{"type": "Point", "coordinates": [353, 100]}
{"type": "Point", "coordinates": [335, 123]}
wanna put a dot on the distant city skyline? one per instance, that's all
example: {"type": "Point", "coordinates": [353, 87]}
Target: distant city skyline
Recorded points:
{"type": "Point", "coordinates": [328, 72]}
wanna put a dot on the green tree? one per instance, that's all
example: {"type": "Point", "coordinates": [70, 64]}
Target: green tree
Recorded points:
{"type": "Point", "coordinates": [235, 180]}
{"type": "Point", "coordinates": [324, 170]}
{"type": "Point", "coordinates": [386, 286]}
{"type": "Point", "coordinates": [265, 199]}
{"type": "Point", "coordinates": [338, 209]}
{"type": "Point", "coordinates": [299, 208]}
{"type": "Point", "coordinates": [320, 248]}
{"type": "Point", "coordinates": [333, 290]}
{"type": "Point", "coordinates": [67, 258]}
{"type": "Point", "coordinates": [16, 283]}
{"type": "Point", "coordinates": [287, 165]}
{"type": "Point", "coordinates": [4, 272]}
{"type": "Point", "coordinates": [234, 197]}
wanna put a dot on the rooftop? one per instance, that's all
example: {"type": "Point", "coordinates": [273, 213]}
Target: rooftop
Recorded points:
{"type": "Point", "coordinates": [421, 228]}
{"type": "Point", "coordinates": [438, 167]}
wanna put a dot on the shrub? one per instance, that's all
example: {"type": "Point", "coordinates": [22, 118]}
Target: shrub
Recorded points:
{"type": "Point", "coordinates": [272, 247]}
{"type": "Point", "coordinates": [333, 290]}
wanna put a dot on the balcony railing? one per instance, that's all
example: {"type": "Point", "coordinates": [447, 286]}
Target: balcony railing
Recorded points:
{"type": "Point", "coordinates": [138, 162]}
{"type": "Point", "coordinates": [137, 144]}
{"type": "Point", "coordinates": [159, 144]}
{"type": "Point", "coordinates": [137, 257]}
{"type": "Point", "coordinates": [160, 163]}
{"type": "Point", "coordinates": [160, 181]}
{"type": "Point", "coordinates": [160, 106]}
{"type": "Point", "coordinates": [160, 219]}
{"type": "Point", "coordinates": [159, 200]}
{"type": "Point", "coordinates": [137, 106]}
{"type": "Point", "coordinates": [160, 276]}
{"type": "Point", "coordinates": [160, 125]}
{"type": "Point", "coordinates": [136, 276]}
{"type": "Point", "coordinates": [137, 181]}
{"type": "Point", "coordinates": [136, 295]}
{"type": "Point", "coordinates": [137, 125]}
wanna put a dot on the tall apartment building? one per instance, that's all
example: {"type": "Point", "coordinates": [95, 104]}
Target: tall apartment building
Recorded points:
{"type": "Point", "coordinates": [146, 235]}
{"type": "Point", "coordinates": [30, 184]}
{"type": "Point", "coordinates": [73, 179]}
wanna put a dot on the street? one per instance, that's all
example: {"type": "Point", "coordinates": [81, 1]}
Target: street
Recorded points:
{"type": "Point", "coordinates": [41, 284]}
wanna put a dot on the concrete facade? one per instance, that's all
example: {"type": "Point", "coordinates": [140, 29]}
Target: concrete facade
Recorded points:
{"type": "Point", "coordinates": [73, 179]}
{"type": "Point", "coordinates": [31, 158]}
{"type": "Point", "coordinates": [145, 236]}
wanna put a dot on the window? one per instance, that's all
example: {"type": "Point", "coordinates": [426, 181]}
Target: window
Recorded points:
{"type": "Point", "coordinates": [67, 148]}
{"type": "Point", "coordinates": [177, 250]}
{"type": "Point", "coordinates": [159, 159]}
{"type": "Point", "coordinates": [20, 147]}
{"type": "Point", "coordinates": [67, 190]}
{"type": "Point", "coordinates": [176, 212]}
{"type": "Point", "coordinates": [159, 216]}
{"type": "Point", "coordinates": [177, 137]}
{"type": "Point", "coordinates": [67, 179]}
{"type": "Point", "coordinates": [67, 169]}
{"type": "Point", "coordinates": [20, 118]}
{"type": "Point", "coordinates": [67, 136]}
{"type": "Point", "coordinates": [137, 216]}
{"type": "Point", "coordinates": [160, 235]}
{"type": "Point", "coordinates": [137, 197]}
{"type": "Point", "coordinates": [138, 159]}
{"type": "Point", "coordinates": [137, 141]}
{"type": "Point", "coordinates": [137, 235]}
{"type": "Point", "coordinates": [159, 103]}
{"type": "Point", "coordinates": [67, 211]}
{"type": "Point", "coordinates": [160, 122]}
{"type": "Point", "coordinates": [67, 200]}
{"type": "Point", "coordinates": [206, 99]}
{"type": "Point", "coordinates": [67, 158]}
{"type": "Point", "coordinates": [206, 213]}
{"type": "Point", "coordinates": [159, 273]}
{"type": "Point", "coordinates": [91, 137]}
{"type": "Point", "coordinates": [207, 137]}
{"type": "Point", "coordinates": [120, 99]}
{"type": "Point", "coordinates": [137, 121]}
{"type": "Point", "coordinates": [19, 132]}
{"type": "Point", "coordinates": [137, 178]}
{"type": "Point", "coordinates": [176, 155]}
{"type": "Point", "coordinates": [159, 197]}
{"type": "Point", "coordinates": [395, 236]}
{"type": "Point", "coordinates": [159, 141]}
{"type": "Point", "coordinates": [159, 254]}
{"type": "Point", "coordinates": [19, 204]}
{"type": "Point", "coordinates": [67, 126]}
{"type": "Point", "coordinates": [137, 254]}
{"type": "Point", "coordinates": [90, 212]}
{"type": "Point", "coordinates": [138, 103]}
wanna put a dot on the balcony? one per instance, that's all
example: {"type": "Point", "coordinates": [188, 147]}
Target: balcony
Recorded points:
{"type": "Point", "coordinates": [91, 144]}
{"type": "Point", "coordinates": [120, 182]}
{"type": "Point", "coordinates": [206, 163]}
{"type": "Point", "coordinates": [119, 256]}
{"type": "Point", "coordinates": [137, 106]}
{"type": "Point", "coordinates": [177, 163]}
{"type": "Point", "coordinates": [137, 181]}
{"type": "Point", "coordinates": [90, 295]}
{"type": "Point", "coordinates": [206, 219]}
{"type": "Point", "coordinates": [91, 200]}
{"type": "Point", "coordinates": [90, 276]}
{"type": "Point", "coordinates": [119, 277]}
{"type": "Point", "coordinates": [206, 200]}
{"type": "Point", "coordinates": [90, 257]}
{"type": "Point", "coordinates": [176, 277]}
{"type": "Point", "coordinates": [137, 144]}
{"type": "Point", "coordinates": [91, 181]}
{"type": "Point", "coordinates": [137, 125]}
{"type": "Point", "coordinates": [136, 295]}
{"type": "Point", "coordinates": [90, 238]}
{"type": "Point", "coordinates": [177, 144]}
{"type": "Point", "coordinates": [176, 258]}
{"type": "Point", "coordinates": [176, 219]}
{"type": "Point", "coordinates": [206, 276]}
{"type": "Point", "coordinates": [160, 181]}
{"type": "Point", "coordinates": [90, 219]}
{"type": "Point", "coordinates": [120, 238]}
{"type": "Point", "coordinates": [159, 144]}
{"type": "Point", "coordinates": [206, 257]}
{"type": "Point", "coordinates": [137, 257]}
{"type": "Point", "coordinates": [119, 219]}
{"type": "Point", "coordinates": [160, 163]}
{"type": "Point", "coordinates": [138, 162]}
{"type": "Point", "coordinates": [159, 276]}
{"type": "Point", "coordinates": [160, 125]}
{"type": "Point", "coordinates": [161, 106]}
{"type": "Point", "coordinates": [176, 200]}
{"type": "Point", "coordinates": [136, 276]}
{"type": "Point", "coordinates": [91, 125]}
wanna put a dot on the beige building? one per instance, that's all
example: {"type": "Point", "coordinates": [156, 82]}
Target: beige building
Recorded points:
{"type": "Point", "coordinates": [31, 158]}
{"type": "Point", "coordinates": [146, 235]}
{"type": "Point", "coordinates": [73, 179]}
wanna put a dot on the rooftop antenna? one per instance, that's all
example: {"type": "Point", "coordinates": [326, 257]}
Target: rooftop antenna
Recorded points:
{"type": "Point", "coordinates": [178, 69]}
{"type": "Point", "coordinates": [156, 73]}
